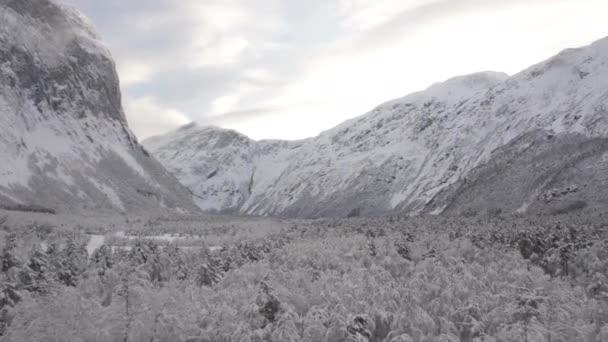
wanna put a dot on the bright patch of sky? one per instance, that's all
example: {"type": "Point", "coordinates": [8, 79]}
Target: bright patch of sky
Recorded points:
{"type": "Point", "coordinates": [290, 69]}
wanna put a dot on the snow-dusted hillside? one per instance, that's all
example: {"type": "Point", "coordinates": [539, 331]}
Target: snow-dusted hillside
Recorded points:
{"type": "Point", "coordinates": [64, 140]}
{"type": "Point", "coordinates": [403, 154]}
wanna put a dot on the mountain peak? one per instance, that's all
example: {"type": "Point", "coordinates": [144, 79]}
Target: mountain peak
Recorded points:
{"type": "Point", "coordinates": [194, 128]}
{"type": "Point", "coordinates": [404, 153]}
{"type": "Point", "coordinates": [188, 127]}
{"type": "Point", "coordinates": [477, 81]}
{"type": "Point", "coordinates": [457, 88]}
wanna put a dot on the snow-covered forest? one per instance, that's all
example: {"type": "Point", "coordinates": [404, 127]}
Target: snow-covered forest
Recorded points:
{"type": "Point", "coordinates": [472, 211]}
{"type": "Point", "coordinates": [389, 279]}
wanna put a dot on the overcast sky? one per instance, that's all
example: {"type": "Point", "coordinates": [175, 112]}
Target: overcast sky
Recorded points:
{"type": "Point", "coordinates": [292, 68]}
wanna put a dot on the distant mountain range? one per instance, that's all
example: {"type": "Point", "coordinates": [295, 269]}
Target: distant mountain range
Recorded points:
{"type": "Point", "coordinates": [487, 143]}
{"type": "Point", "coordinates": [64, 141]}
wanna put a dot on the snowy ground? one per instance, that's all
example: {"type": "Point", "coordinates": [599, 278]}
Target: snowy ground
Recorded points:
{"type": "Point", "coordinates": [120, 239]}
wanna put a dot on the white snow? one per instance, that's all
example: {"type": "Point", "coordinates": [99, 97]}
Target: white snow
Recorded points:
{"type": "Point", "coordinates": [14, 171]}
{"type": "Point", "coordinates": [10, 197]}
{"type": "Point", "coordinates": [438, 211]}
{"type": "Point", "coordinates": [397, 199]}
{"type": "Point", "coordinates": [110, 194]}
{"type": "Point", "coordinates": [128, 158]}
{"type": "Point", "coordinates": [523, 208]}
{"type": "Point", "coordinates": [96, 241]}
{"type": "Point", "coordinates": [69, 139]}
{"type": "Point", "coordinates": [420, 143]}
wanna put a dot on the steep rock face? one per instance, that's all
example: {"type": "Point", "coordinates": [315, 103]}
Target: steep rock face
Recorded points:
{"type": "Point", "coordinates": [64, 140]}
{"type": "Point", "coordinates": [220, 166]}
{"type": "Point", "coordinates": [412, 154]}
{"type": "Point", "coordinates": [542, 126]}
{"type": "Point", "coordinates": [359, 164]}
{"type": "Point", "coordinates": [219, 178]}
{"type": "Point", "coordinates": [540, 173]}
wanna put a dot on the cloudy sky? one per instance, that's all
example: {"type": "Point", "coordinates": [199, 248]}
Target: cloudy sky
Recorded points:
{"type": "Point", "coordinates": [292, 68]}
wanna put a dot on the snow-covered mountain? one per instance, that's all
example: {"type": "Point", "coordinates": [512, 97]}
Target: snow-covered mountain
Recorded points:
{"type": "Point", "coordinates": [64, 140]}
{"type": "Point", "coordinates": [427, 152]}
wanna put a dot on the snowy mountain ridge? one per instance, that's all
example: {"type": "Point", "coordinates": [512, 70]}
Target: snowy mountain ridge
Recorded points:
{"type": "Point", "coordinates": [64, 140]}
{"type": "Point", "coordinates": [401, 155]}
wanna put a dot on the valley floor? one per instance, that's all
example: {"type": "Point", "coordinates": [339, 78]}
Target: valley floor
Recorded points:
{"type": "Point", "coordinates": [255, 279]}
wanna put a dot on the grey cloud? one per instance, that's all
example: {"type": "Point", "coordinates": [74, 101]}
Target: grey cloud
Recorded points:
{"type": "Point", "coordinates": [307, 30]}
{"type": "Point", "coordinates": [188, 89]}
{"type": "Point", "coordinates": [235, 116]}
{"type": "Point", "coordinates": [409, 20]}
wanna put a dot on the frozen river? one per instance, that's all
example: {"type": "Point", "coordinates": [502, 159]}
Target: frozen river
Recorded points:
{"type": "Point", "coordinates": [97, 241]}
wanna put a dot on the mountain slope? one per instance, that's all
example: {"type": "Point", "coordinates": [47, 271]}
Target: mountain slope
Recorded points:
{"type": "Point", "coordinates": [538, 172]}
{"type": "Point", "coordinates": [64, 140]}
{"type": "Point", "coordinates": [408, 155]}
